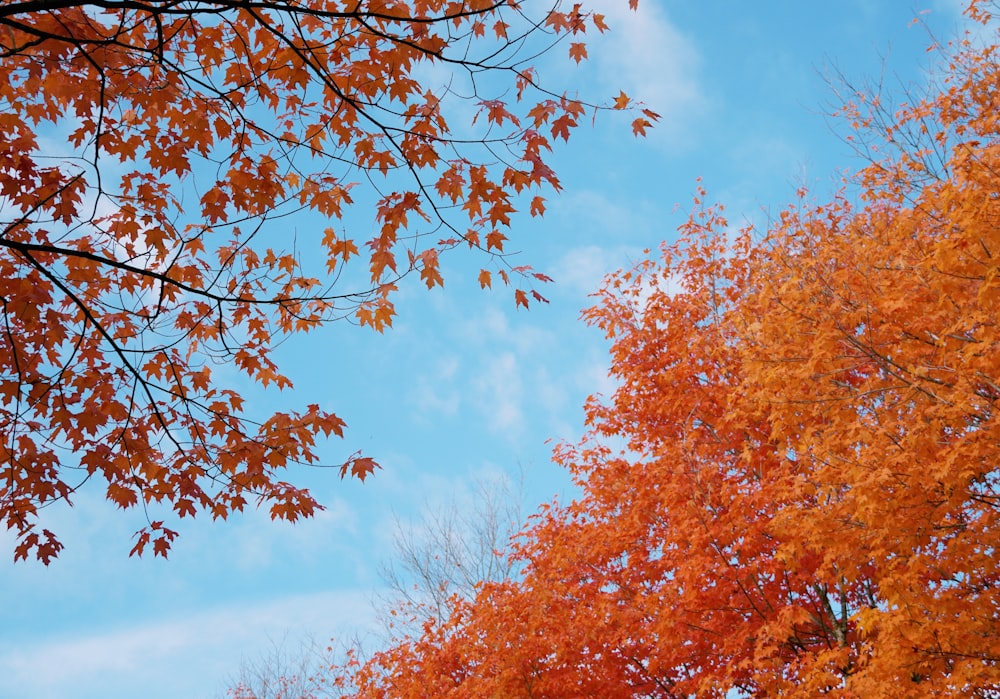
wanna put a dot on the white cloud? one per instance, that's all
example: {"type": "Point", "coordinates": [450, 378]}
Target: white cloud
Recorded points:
{"type": "Point", "coordinates": [492, 327]}
{"type": "Point", "coordinates": [143, 660]}
{"type": "Point", "coordinates": [436, 392]}
{"type": "Point", "coordinates": [651, 60]}
{"type": "Point", "coordinates": [595, 377]}
{"type": "Point", "coordinates": [582, 270]}
{"type": "Point", "coordinates": [256, 542]}
{"type": "Point", "coordinates": [499, 394]}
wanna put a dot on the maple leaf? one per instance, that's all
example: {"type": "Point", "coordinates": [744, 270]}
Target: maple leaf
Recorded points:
{"type": "Point", "coordinates": [123, 496]}
{"type": "Point", "coordinates": [562, 125]}
{"type": "Point", "coordinates": [542, 112]}
{"type": "Point", "coordinates": [430, 271]}
{"type": "Point", "coordinates": [537, 206]}
{"type": "Point", "coordinates": [494, 240]}
{"type": "Point", "coordinates": [142, 540]}
{"type": "Point", "coordinates": [640, 125]}
{"type": "Point", "coordinates": [359, 466]}
{"type": "Point", "coordinates": [48, 547]}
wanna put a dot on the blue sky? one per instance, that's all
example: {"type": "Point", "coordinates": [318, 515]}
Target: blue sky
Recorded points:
{"type": "Point", "coordinates": [465, 386]}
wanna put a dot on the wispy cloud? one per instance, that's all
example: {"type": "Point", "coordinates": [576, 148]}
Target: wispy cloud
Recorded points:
{"type": "Point", "coordinates": [120, 662]}
{"type": "Point", "coordinates": [651, 60]}
{"type": "Point", "coordinates": [436, 392]}
{"type": "Point", "coordinates": [499, 394]}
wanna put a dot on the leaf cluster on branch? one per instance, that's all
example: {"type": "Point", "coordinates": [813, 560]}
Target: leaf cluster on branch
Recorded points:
{"type": "Point", "coordinates": [151, 154]}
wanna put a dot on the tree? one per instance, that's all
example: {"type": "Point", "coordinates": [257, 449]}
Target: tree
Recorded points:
{"type": "Point", "coordinates": [436, 564]}
{"type": "Point", "coordinates": [456, 548]}
{"type": "Point", "coordinates": [148, 246]}
{"type": "Point", "coordinates": [794, 490]}
{"type": "Point", "coordinates": [281, 673]}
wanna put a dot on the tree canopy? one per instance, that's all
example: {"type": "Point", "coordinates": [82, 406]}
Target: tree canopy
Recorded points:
{"type": "Point", "coordinates": [794, 490]}
{"type": "Point", "coordinates": [150, 154]}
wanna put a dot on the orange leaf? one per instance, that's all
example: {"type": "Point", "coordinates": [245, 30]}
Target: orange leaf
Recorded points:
{"type": "Point", "coordinates": [494, 240]}
{"type": "Point", "coordinates": [640, 125]}
{"type": "Point", "coordinates": [359, 466]}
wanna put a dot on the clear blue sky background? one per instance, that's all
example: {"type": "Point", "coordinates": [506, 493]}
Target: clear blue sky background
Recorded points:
{"type": "Point", "coordinates": [465, 385]}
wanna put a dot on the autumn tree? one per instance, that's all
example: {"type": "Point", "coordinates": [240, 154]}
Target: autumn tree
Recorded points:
{"type": "Point", "coordinates": [794, 490]}
{"type": "Point", "coordinates": [151, 154]}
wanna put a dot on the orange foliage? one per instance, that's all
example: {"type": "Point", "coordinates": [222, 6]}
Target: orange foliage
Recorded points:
{"type": "Point", "coordinates": [143, 249]}
{"type": "Point", "coordinates": [795, 490]}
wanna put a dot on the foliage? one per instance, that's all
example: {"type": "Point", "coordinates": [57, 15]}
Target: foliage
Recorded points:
{"type": "Point", "coordinates": [794, 490]}
{"type": "Point", "coordinates": [150, 153]}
